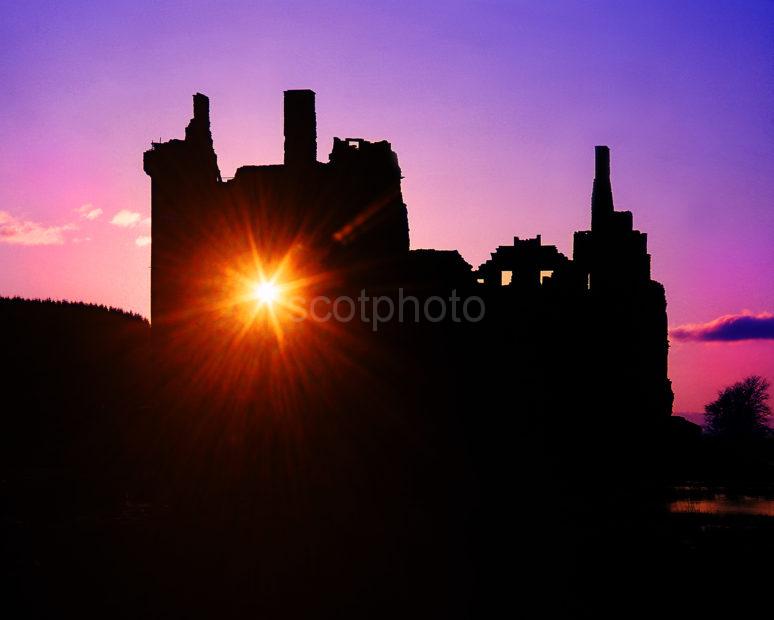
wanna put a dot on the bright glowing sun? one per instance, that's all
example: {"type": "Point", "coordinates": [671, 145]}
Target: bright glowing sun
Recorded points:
{"type": "Point", "coordinates": [266, 292]}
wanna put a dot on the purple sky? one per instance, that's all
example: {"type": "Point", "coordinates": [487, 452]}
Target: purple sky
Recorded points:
{"type": "Point", "coordinates": [492, 107]}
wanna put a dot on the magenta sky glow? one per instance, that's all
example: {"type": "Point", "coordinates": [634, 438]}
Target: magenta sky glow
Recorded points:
{"type": "Point", "coordinates": [493, 108]}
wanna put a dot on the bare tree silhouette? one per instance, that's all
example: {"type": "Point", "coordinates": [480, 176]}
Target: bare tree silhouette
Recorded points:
{"type": "Point", "coordinates": [741, 410]}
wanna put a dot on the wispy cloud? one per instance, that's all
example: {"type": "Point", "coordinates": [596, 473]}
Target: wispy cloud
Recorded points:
{"type": "Point", "coordinates": [142, 241]}
{"type": "Point", "coordinates": [126, 218]}
{"type": "Point", "coordinates": [18, 231]}
{"type": "Point", "coordinates": [728, 328]}
{"type": "Point", "coordinates": [88, 212]}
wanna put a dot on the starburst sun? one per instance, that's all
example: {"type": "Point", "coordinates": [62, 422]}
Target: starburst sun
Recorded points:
{"type": "Point", "coordinates": [266, 292]}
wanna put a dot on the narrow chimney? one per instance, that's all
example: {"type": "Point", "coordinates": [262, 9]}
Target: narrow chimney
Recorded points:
{"type": "Point", "coordinates": [602, 193]}
{"type": "Point", "coordinates": [201, 108]}
{"type": "Point", "coordinates": [198, 130]}
{"type": "Point", "coordinates": [199, 136]}
{"type": "Point", "coordinates": [601, 162]}
{"type": "Point", "coordinates": [300, 128]}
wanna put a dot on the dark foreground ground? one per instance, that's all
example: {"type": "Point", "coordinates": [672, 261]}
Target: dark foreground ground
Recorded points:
{"type": "Point", "coordinates": [70, 547]}
{"type": "Point", "coordinates": [111, 508]}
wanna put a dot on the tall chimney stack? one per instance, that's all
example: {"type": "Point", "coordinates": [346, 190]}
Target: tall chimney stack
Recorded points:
{"type": "Point", "coordinates": [198, 130]}
{"type": "Point", "coordinates": [602, 193]}
{"type": "Point", "coordinates": [602, 162]}
{"type": "Point", "coordinates": [300, 128]}
{"type": "Point", "coordinates": [201, 108]}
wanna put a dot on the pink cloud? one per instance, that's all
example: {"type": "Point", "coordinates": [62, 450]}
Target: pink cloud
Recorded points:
{"type": "Point", "coordinates": [728, 328]}
{"type": "Point", "coordinates": [126, 219]}
{"type": "Point", "coordinates": [142, 241]}
{"type": "Point", "coordinates": [18, 231]}
{"type": "Point", "coordinates": [88, 212]}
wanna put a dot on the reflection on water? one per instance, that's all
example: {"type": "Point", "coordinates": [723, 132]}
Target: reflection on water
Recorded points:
{"type": "Point", "coordinates": [725, 504]}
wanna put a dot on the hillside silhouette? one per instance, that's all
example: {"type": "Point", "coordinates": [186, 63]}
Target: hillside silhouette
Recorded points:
{"type": "Point", "coordinates": [76, 380]}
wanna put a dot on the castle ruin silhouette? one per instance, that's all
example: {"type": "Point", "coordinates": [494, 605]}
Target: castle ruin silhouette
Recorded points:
{"type": "Point", "coordinates": [575, 345]}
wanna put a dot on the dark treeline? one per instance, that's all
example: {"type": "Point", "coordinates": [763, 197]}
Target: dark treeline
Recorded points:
{"type": "Point", "coordinates": [23, 307]}
{"type": "Point", "coordinates": [75, 380]}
